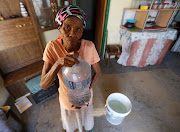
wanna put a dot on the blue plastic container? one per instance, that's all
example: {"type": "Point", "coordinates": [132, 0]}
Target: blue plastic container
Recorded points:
{"type": "Point", "coordinates": [131, 20]}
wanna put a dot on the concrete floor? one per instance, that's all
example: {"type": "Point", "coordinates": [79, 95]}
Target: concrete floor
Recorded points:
{"type": "Point", "coordinates": [154, 92]}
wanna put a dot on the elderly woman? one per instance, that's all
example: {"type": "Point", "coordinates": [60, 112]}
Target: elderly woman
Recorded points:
{"type": "Point", "coordinates": [71, 21]}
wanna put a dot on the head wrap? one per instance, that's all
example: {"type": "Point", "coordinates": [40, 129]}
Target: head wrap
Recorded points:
{"type": "Point", "coordinates": [70, 10]}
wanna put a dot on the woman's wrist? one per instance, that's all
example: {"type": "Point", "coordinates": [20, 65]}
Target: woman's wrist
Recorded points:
{"type": "Point", "coordinates": [58, 66]}
{"type": "Point", "coordinates": [90, 87]}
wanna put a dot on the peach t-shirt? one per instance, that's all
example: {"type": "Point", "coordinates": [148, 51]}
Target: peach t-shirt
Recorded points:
{"type": "Point", "coordinates": [54, 50]}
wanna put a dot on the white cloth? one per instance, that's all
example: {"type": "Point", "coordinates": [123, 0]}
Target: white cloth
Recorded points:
{"type": "Point", "coordinates": [176, 47]}
{"type": "Point", "coordinates": [133, 36]}
{"type": "Point", "coordinates": [128, 37]}
{"type": "Point", "coordinates": [73, 120]}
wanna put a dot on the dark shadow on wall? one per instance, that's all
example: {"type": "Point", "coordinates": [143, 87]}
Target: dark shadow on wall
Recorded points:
{"type": "Point", "coordinates": [89, 7]}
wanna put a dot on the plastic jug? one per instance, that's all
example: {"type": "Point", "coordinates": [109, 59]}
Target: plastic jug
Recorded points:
{"type": "Point", "coordinates": [77, 79]}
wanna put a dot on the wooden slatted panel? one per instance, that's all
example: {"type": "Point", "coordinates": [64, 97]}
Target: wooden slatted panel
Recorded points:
{"type": "Point", "coordinates": [164, 17]}
{"type": "Point", "coordinates": [23, 73]}
{"type": "Point", "coordinates": [140, 18]}
{"type": "Point", "coordinates": [9, 8]}
{"type": "Point", "coordinates": [12, 35]}
{"type": "Point", "coordinates": [18, 89]}
{"type": "Point", "coordinates": [17, 57]}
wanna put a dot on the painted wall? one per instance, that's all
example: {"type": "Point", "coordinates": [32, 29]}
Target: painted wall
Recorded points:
{"type": "Point", "coordinates": [89, 7]}
{"type": "Point", "coordinates": [114, 21]}
{"type": "Point", "coordinates": [115, 16]}
{"type": "Point", "coordinates": [48, 35]}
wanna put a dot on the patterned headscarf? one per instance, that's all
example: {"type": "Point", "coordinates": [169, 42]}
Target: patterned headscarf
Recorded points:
{"type": "Point", "coordinates": [70, 10]}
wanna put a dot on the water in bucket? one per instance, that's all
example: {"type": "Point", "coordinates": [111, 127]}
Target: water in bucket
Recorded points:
{"type": "Point", "coordinates": [117, 106]}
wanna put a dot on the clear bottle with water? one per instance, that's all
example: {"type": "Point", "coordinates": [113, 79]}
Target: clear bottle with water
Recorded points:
{"type": "Point", "coordinates": [77, 79]}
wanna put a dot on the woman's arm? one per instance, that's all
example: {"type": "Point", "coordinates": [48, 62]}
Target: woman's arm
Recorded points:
{"type": "Point", "coordinates": [49, 71]}
{"type": "Point", "coordinates": [97, 74]}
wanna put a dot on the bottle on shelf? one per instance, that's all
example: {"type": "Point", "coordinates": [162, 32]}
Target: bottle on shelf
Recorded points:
{"type": "Point", "coordinates": [155, 6]}
{"type": "Point", "coordinates": [174, 4]}
{"type": "Point", "coordinates": [166, 5]}
{"type": "Point", "coordinates": [1, 17]}
{"type": "Point", "coordinates": [24, 12]}
{"type": "Point", "coordinates": [161, 6]}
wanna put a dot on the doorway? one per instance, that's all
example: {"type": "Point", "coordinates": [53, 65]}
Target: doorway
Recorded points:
{"type": "Point", "coordinates": [95, 11]}
{"type": "Point", "coordinates": [89, 7]}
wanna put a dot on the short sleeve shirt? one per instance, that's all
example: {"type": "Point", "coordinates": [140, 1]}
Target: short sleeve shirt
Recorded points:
{"type": "Point", "coordinates": [54, 50]}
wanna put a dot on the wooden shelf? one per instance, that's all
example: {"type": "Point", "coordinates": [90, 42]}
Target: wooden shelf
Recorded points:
{"type": "Point", "coordinates": [147, 28]}
{"type": "Point", "coordinates": [132, 29]}
{"type": "Point", "coordinates": [162, 18]}
{"type": "Point", "coordinates": [150, 10]}
{"type": "Point", "coordinates": [152, 17]}
{"type": "Point", "coordinates": [20, 48]}
{"type": "Point", "coordinates": [132, 9]}
{"type": "Point", "coordinates": [14, 19]}
{"type": "Point", "coordinates": [23, 73]}
{"type": "Point", "coordinates": [24, 42]}
{"type": "Point", "coordinates": [154, 28]}
{"type": "Point", "coordinates": [173, 27]}
{"type": "Point", "coordinates": [162, 9]}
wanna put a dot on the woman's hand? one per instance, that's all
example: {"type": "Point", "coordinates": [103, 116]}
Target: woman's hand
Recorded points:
{"type": "Point", "coordinates": [68, 60]}
{"type": "Point", "coordinates": [76, 107]}
{"type": "Point", "coordinates": [79, 107]}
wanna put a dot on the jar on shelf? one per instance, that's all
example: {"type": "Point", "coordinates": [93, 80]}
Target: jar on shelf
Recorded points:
{"type": "Point", "coordinates": [166, 5]}
{"type": "Point", "coordinates": [161, 6]}
{"type": "Point", "coordinates": [174, 4]}
{"type": "Point", "coordinates": [66, 3]}
{"type": "Point", "coordinates": [155, 6]}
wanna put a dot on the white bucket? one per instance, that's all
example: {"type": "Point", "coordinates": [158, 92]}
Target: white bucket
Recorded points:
{"type": "Point", "coordinates": [114, 117]}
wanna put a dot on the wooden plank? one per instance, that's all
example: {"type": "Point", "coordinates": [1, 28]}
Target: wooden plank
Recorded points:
{"type": "Point", "coordinates": [163, 18]}
{"type": "Point", "coordinates": [16, 32]}
{"type": "Point", "coordinates": [154, 28]}
{"type": "Point", "coordinates": [162, 9]}
{"type": "Point", "coordinates": [146, 28]}
{"type": "Point", "coordinates": [149, 9]}
{"type": "Point", "coordinates": [132, 9]}
{"type": "Point", "coordinates": [17, 57]}
{"type": "Point", "coordinates": [9, 8]}
{"type": "Point", "coordinates": [140, 18]}
{"type": "Point", "coordinates": [18, 89]}
{"type": "Point", "coordinates": [18, 66]}
{"type": "Point", "coordinates": [23, 73]}
{"type": "Point", "coordinates": [11, 23]}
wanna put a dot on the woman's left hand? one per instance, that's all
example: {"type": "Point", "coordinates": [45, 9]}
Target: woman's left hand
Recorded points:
{"type": "Point", "coordinates": [76, 107]}
{"type": "Point", "coordinates": [90, 88]}
{"type": "Point", "coordinates": [79, 107]}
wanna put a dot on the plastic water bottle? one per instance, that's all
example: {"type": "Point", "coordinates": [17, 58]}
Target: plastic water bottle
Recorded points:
{"type": "Point", "coordinates": [77, 79]}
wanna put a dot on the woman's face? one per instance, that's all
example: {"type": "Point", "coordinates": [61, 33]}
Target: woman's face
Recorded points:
{"type": "Point", "coordinates": [71, 30]}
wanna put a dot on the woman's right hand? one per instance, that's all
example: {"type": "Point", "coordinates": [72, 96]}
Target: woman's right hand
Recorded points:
{"type": "Point", "coordinates": [68, 60]}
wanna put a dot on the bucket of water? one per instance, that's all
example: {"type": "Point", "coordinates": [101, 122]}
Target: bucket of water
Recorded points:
{"type": "Point", "coordinates": [118, 106]}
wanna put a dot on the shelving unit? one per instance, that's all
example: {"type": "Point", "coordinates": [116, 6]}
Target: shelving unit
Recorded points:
{"type": "Point", "coordinates": [44, 15]}
{"type": "Point", "coordinates": [163, 19]}
{"type": "Point", "coordinates": [20, 47]}
{"type": "Point", "coordinates": [149, 9]}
